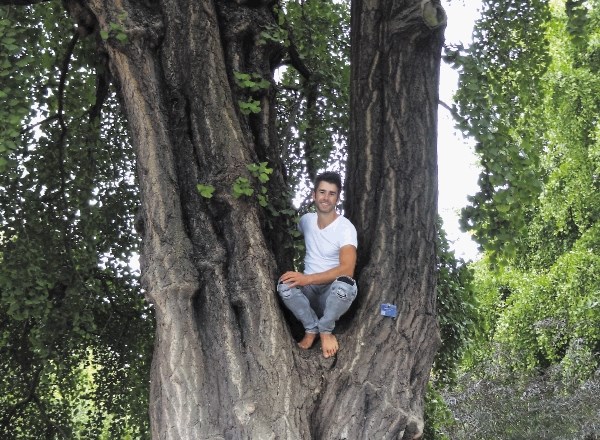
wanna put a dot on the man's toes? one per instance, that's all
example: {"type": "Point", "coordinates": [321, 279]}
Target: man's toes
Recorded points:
{"type": "Point", "coordinates": [330, 348]}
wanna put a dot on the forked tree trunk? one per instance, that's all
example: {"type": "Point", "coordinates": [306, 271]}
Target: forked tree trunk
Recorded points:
{"type": "Point", "coordinates": [225, 365]}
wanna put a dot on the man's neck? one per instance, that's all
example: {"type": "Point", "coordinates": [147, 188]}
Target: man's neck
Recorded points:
{"type": "Point", "coordinates": [324, 220]}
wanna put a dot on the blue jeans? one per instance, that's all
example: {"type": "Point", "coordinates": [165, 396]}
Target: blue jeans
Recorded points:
{"type": "Point", "coordinates": [318, 307]}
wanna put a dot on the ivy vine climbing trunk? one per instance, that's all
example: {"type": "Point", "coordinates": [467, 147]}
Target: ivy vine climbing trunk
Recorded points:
{"type": "Point", "coordinates": [225, 365]}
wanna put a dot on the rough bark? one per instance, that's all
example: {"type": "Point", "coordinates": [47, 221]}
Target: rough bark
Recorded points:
{"type": "Point", "coordinates": [224, 365]}
{"type": "Point", "coordinates": [392, 200]}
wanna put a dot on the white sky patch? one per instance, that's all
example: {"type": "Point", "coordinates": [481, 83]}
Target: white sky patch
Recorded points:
{"type": "Point", "coordinates": [457, 164]}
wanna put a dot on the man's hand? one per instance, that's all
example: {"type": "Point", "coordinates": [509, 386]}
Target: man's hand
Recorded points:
{"type": "Point", "coordinates": [293, 279]}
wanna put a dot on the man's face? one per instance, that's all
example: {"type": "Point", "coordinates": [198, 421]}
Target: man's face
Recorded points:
{"type": "Point", "coordinates": [326, 197]}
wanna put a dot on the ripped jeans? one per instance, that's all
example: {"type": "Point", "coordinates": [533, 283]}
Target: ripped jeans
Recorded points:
{"type": "Point", "coordinates": [318, 307]}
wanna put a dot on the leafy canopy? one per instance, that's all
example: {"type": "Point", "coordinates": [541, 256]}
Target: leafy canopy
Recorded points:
{"type": "Point", "coordinates": [529, 96]}
{"type": "Point", "coordinates": [75, 335]}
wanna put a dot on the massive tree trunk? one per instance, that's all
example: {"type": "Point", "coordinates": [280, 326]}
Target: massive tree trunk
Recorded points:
{"type": "Point", "coordinates": [225, 365]}
{"type": "Point", "coordinates": [222, 365]}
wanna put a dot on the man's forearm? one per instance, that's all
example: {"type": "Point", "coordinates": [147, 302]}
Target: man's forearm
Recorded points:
{"type": "Point", "coordinates": [301, 279]}
{"type": "Point", "coordinates": [330, 275]}
{"type": "Point", "coordinates": [345, 267]}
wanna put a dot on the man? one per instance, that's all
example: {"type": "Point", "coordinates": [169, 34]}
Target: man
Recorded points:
{"type": "Point", "coordinates": [324, 292]}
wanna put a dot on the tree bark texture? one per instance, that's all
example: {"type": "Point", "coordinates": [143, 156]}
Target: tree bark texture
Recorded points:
{"type": "Point", "coordinates": [392, 199]}
{"type": "Point", "coordinates": [225, 365]}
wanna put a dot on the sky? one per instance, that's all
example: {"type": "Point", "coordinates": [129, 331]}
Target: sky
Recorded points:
{"type": "Point", "coordinates": [457, 165]}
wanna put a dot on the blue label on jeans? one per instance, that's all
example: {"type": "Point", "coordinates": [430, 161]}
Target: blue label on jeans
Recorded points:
{"type": "Point", "coordinates": [389, 310]}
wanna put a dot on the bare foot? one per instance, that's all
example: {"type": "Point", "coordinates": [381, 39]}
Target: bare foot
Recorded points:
{"type": "Point", "coordinates": [329, 345]}
{"type": "Point", "coordinates": [307, 341]}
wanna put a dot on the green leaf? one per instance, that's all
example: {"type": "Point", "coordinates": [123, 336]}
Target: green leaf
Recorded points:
{"type": "Point", "coordinates": [262, 200]}
{"type": "Point", "coordinates": [241, 187]}
{"type": "Point", "coordinates": [205, 191]}
{"type": "Point", "coordinates": [23, 62]}
{"type": "Point", "coordinates": [250, 106]}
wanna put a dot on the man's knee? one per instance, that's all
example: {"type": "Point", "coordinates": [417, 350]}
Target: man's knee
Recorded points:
{"type": "Point", "coordinates": [284, 290]}
{"type": "Point", "coordinates": [344, 288]}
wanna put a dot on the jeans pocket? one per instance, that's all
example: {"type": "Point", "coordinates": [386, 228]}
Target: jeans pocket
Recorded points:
{"type": "Point", "coordinates": [347, 280]}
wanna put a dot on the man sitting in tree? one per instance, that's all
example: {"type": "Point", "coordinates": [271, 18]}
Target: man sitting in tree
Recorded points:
{"type": "Point", "coordinates": [324, 292]}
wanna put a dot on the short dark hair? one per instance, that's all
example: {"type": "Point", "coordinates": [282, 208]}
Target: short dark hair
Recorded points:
{"type": "Point", "coordinates": [329, 177]}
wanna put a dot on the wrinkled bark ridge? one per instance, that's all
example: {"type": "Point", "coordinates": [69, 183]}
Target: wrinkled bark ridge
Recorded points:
{"type": "Point", "coordinates": [392, 200]}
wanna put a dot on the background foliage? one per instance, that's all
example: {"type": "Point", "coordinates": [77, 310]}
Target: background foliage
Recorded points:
{"type": "Point", "coordinates": [529, 96]}
{"type": "Point", "coordinates": [314, 85]}
{"type": "Point", "coordinates": [75, 334]}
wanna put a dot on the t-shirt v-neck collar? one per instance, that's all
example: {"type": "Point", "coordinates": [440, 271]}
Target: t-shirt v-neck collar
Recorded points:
{"type": "Point", "coordinates": [322, 229]}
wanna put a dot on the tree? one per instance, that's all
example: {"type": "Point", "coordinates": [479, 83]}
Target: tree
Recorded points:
{"type": "Point", "coordinates": [223, 364]}
{"type": "Point", "coordinates": [529, 96]}
{"type": "Point", "coordinates": [536, 214]}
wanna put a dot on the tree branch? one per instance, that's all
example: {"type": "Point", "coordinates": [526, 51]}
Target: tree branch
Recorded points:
{"type": "Point", "coordinates": [288, 132]}
{"type": "Point", "coordinates": [290, 88]}
{"type": "Point", "coordinates": [297, 62]}
{"type": "Point", "coordinates": [310, 155]}
{"type": "Point", "coordinates": [5, 422]}
{"type": "Point", "coordinates": [102, 88]}
{"type": "Point", "coordinates": [37, 124]}
{"type": "Point", "coordinates": [295, 58]}
{"type": "Point", "coordinates": [63, 131]}
{"type": "Point", "coordinates": [47, 419]}
{"type": "Point", "coordinates": [63, 79]}
{"type": "Point", "coordinates": [452, 110]}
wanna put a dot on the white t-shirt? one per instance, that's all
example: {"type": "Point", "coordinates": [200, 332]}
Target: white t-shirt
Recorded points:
{"type": "Point", "coordinates": [323, 245]}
